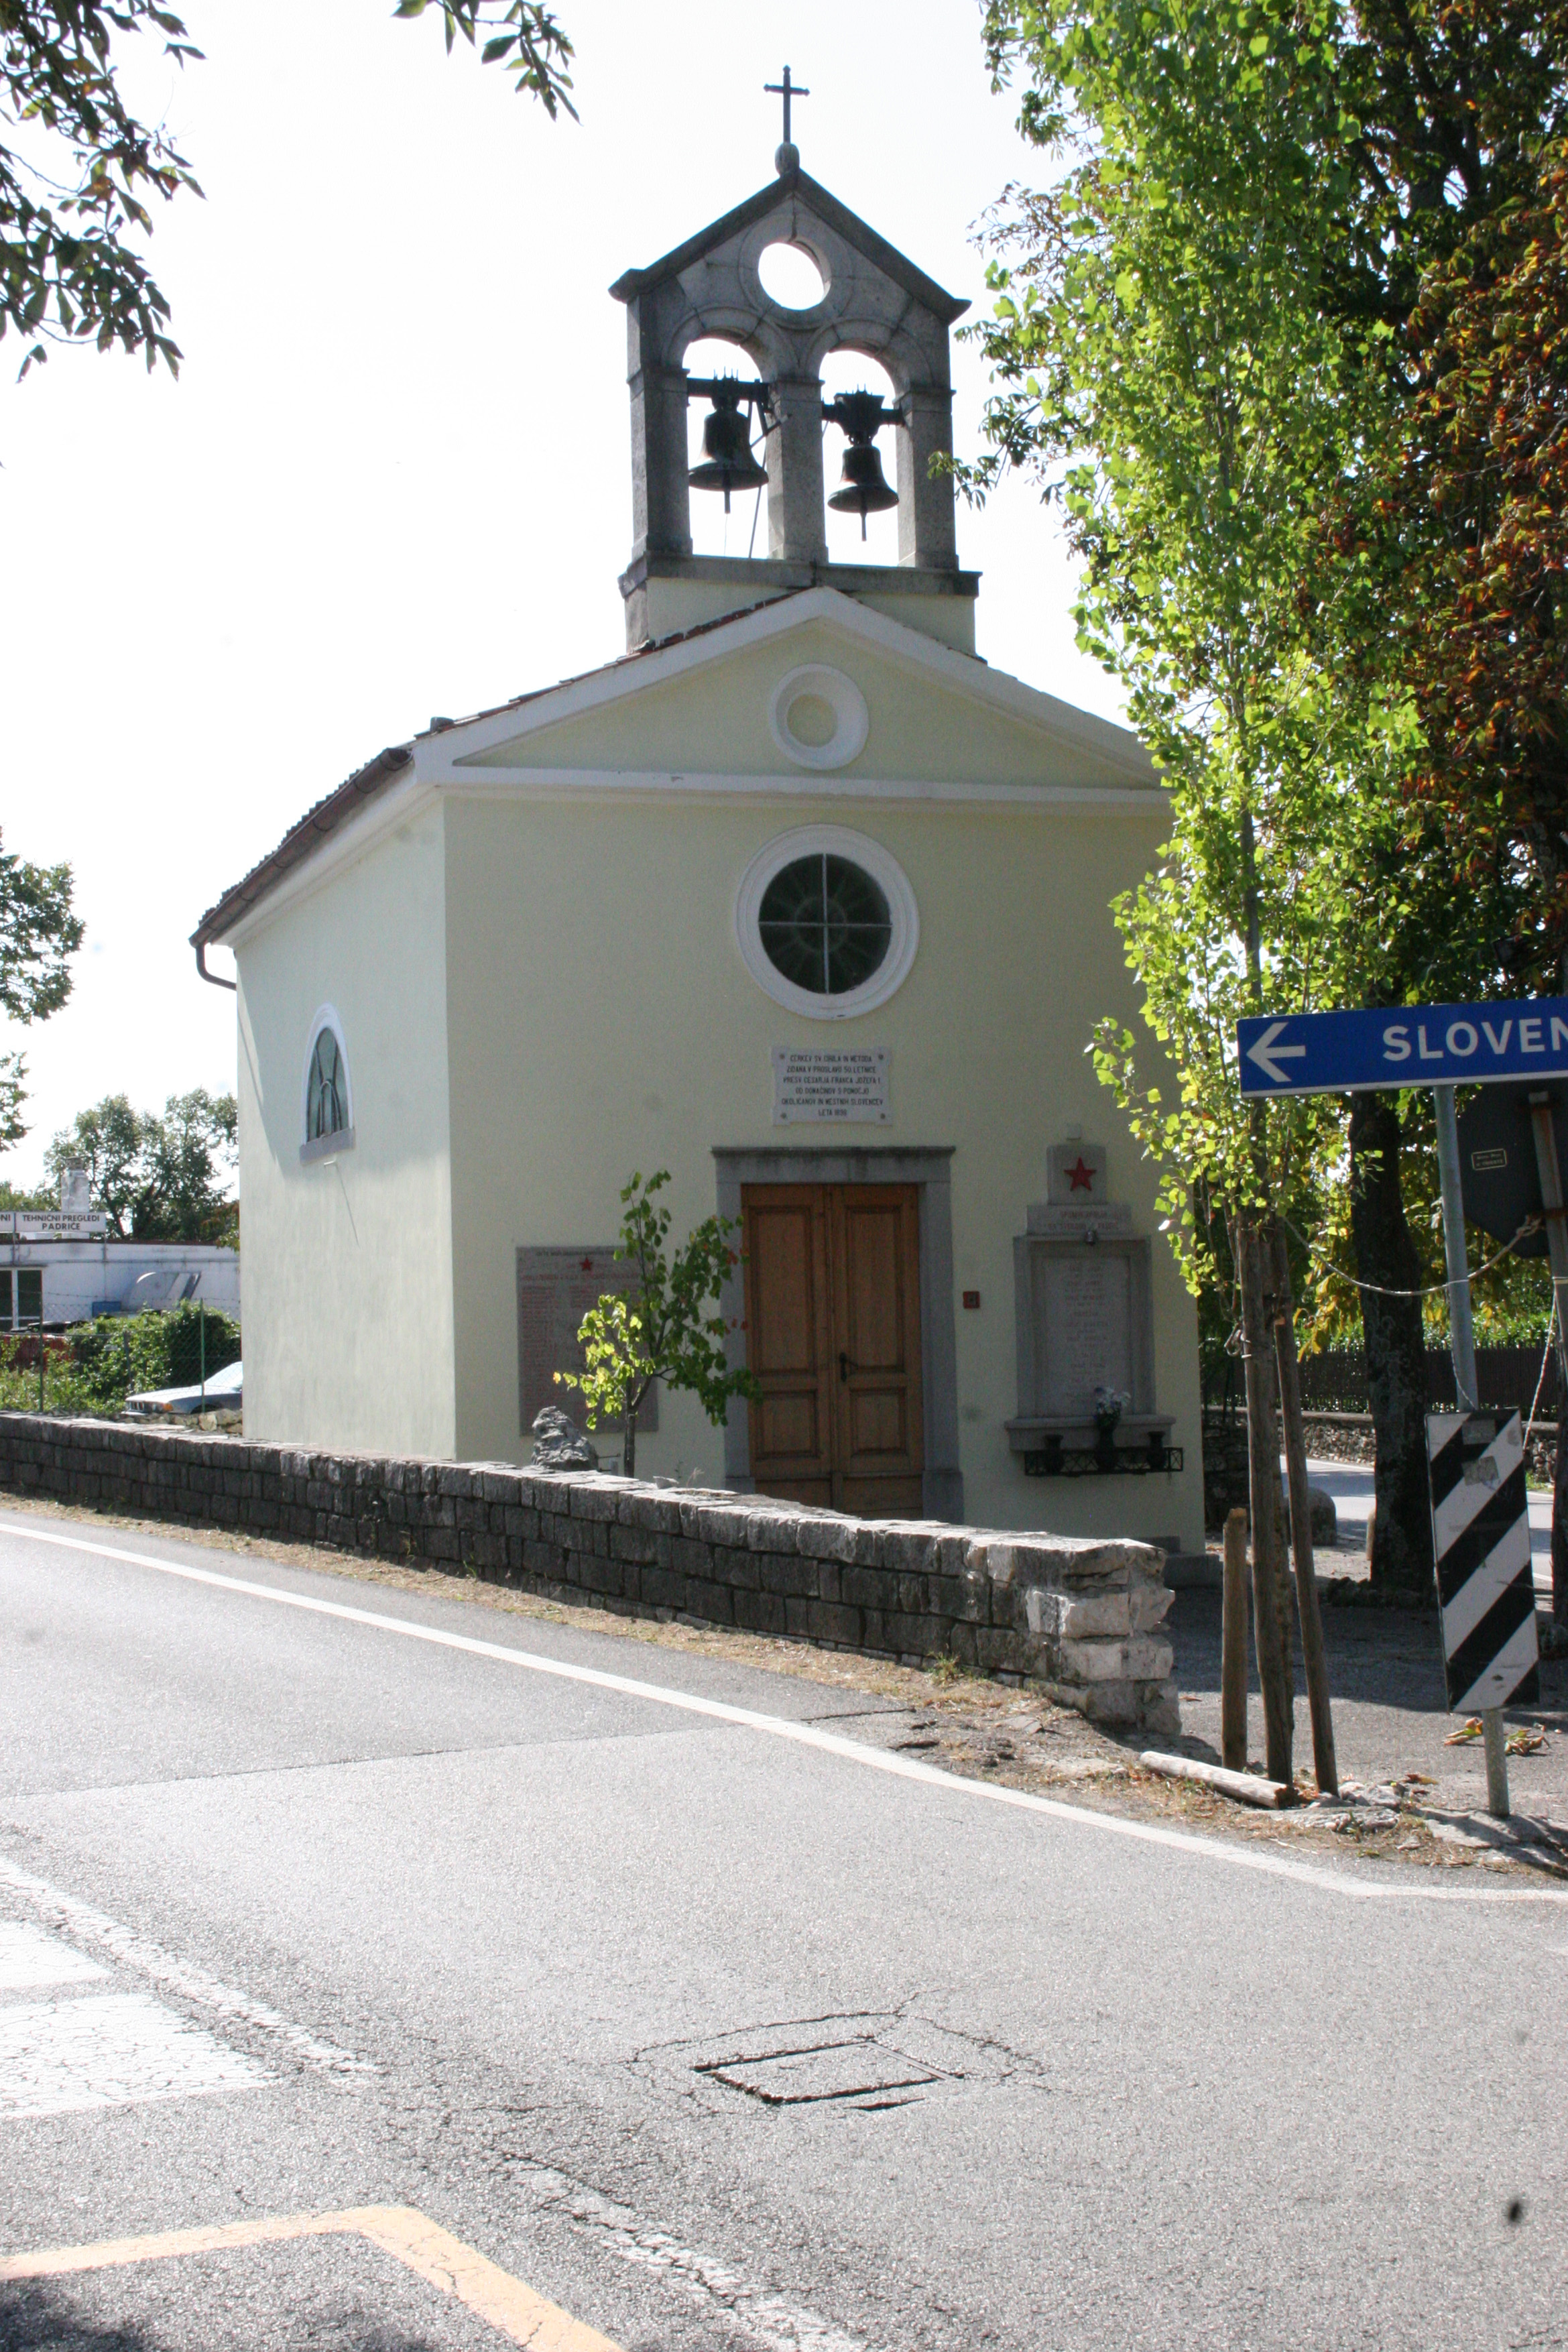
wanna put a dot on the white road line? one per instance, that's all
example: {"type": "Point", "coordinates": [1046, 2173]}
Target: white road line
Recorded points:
{"type": "Point", "coordinates": [724, 2295]}
{"type": "Point", "coordinates": [109, 2050]}
{"type": "Point", "coordinates": [134, 1952]}
{"type": "Point", "coordinates": [28, 1959]}
{"type": "Point", "coordinates": [805, 1734]}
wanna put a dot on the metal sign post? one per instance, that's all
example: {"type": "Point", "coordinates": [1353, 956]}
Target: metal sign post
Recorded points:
{"type": "Point", "coordinates": [1551, 1174]}
{"type": "Point", "coordinates": [1442, 1047]}
{"type": "Point", "coordinates": [1461, 1325]}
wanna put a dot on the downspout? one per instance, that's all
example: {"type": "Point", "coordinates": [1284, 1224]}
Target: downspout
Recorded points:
{"type": "Point", "coordinates": [211, 978]}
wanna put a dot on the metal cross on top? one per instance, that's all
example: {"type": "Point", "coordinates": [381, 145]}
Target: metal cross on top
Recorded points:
{"type": "Point", "coordinates": [786, 89]}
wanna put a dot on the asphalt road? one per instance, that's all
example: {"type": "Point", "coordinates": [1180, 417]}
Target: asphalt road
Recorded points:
{"type": "Point", "coordinates": [712, 2035]}
{"type": "Point", "coordinates": [1351, 1484]}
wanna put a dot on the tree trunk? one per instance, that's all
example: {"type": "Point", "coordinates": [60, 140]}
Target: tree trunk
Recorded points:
{"type": "Point", "coordinates": [1308, 1613]}
{"type": "Point", "coordinates": [1396, 1348]}
{"type": "Point", "coordinates": [1271, 1598]}
{"type": "Point", "coordinates": [1560, 1517]}
{"type": "Point", "coordinates": [629, 1442]}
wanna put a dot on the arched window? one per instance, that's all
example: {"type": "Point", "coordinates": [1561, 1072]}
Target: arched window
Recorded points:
{"type": "Point", "coordinates": [328, 1096]}
{"type": "Point", "coordinates": [327, 1091]}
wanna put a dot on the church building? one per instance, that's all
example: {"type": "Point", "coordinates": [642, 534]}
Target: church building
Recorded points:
{"type": "Point", "coordinates": [799, 900]}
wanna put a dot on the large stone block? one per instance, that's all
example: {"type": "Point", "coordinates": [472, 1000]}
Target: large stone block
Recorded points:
{"type": "Point", "coordinates": [827, 1620]}
{"type": "Point", "coordinates": [1147, 1604]}
{"type": "Point", "coordinates": [690, 1557]}
{"type": "Point", "coordinates": [1072, 1617]}
{"type": "Point", "coordinates": [787, 1572]}
{"type": "Point", "coordinates": [759, 1612]}
{"type": "Point", "coordinates": [868, 1588]}
{"type": "Point", "coordinates": [714, 1602]}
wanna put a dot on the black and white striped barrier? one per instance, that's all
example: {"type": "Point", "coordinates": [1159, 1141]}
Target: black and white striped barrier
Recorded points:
{"type": "Point", "coordinates": [1480, 1530]}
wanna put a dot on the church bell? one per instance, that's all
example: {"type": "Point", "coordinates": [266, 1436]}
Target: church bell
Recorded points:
{"type": "Point", "coordinates": [864, 488]}
{"type": "Point", "coordinates": [727, 462]}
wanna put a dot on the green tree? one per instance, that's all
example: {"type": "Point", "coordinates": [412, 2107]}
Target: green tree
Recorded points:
{"type": "Point", "coordinates": [79, 170]}
{"type": "Point", "coordinates": [109, 1141]}
{"type": "Point", "coordinates": [27, 1196]}
{"type": "Point", "coordinates": [661, 1332]}
{"type": "Point", "coordinates": [190, 1162]}
{"type": "Point", "coordinates": [157, 1178]}
{"type": "Point", "coordinates": [39, 933]}
{"type": "Point", "coordinates": [1193, 351]}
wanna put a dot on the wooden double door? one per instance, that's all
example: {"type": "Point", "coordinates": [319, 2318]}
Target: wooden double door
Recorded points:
{"type": "Point", "coordinates": [832, 1318]}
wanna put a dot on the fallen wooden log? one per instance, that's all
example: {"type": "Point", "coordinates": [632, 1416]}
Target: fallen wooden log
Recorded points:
{"type": "Point", "coordinates": [1250, 1787]}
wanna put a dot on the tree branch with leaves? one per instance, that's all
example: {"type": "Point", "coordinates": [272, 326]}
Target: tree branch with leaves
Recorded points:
{"type": "Point", "coordinates": [79, 171]}
{"type": "Point", "coordinates": [663, 1330]}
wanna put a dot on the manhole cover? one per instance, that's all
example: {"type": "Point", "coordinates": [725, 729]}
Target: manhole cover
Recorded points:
{"type": "Point", "coordinates": [854, 2059]}
{"type": "Point", "coordinates": [861, 2072]}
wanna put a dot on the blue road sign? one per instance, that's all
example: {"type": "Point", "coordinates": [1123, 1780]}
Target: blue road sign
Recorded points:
{"type": "Point", "coordinates": [1411, 1045]}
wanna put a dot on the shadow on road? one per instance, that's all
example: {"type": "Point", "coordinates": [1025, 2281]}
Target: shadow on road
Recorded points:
{"type": "Point", "coordinates": [40, 2317]}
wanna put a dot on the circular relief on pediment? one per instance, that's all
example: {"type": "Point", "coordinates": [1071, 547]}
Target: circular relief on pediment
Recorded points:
{"type": "Point", "coordinates": [826, 922]}
{"type": "Point", "coordinates": [818, 717]}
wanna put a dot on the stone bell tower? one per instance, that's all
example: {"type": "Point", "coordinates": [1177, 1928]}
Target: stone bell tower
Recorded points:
{"type": "Point", "coordinates": [874, 302]}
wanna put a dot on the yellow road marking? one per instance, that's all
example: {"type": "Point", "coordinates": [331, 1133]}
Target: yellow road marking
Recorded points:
{"type": "Point", "coordinates": [431, 2253]}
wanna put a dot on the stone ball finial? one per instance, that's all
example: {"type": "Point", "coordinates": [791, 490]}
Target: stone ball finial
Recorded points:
{"type": "Point", "coordinates": [785, 157]}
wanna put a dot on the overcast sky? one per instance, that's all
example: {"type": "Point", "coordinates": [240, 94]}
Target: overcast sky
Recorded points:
{"type": "Point", "coordinates": [392, 478]}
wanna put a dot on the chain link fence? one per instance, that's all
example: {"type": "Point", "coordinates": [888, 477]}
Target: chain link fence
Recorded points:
{"type": "Point", "coordinates": [93, 1368]}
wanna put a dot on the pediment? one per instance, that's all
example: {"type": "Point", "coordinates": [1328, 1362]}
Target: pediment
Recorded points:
{"type": "Point", "coordinates": [795, 198]}
{"type": "Point", "coordinates": [720, 710]}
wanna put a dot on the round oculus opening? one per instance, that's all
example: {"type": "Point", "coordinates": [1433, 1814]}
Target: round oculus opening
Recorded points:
{"type": "Point", "coordinates": [818, 717]}
{"type": "Point", "coordinates": [791, 277]}
{"type": "Point", "coordinates": [825, 924]}
{"type": "Point", "coordinates": [812, 720]}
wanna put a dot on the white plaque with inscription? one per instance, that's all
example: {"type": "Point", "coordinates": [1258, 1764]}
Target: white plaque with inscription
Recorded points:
{"type": "Point", "coordinates": [1085, 1310]}
{"type": "Point", "coordinates": [842, 1086]}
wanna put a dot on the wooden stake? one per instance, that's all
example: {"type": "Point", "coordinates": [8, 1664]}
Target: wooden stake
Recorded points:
{"type": "Point", "coordinates": [1246, 1786]}
{"type": "Point", "coordinates": [1269, 1625]}
{"type": "Point", "coordinates": [1313, 1656]}
{"type": "Point", "coordinates": [1233, 1647]}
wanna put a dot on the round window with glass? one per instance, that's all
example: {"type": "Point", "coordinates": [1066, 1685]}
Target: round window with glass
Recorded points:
{"type": "Point", "coordinates": [826, 922]}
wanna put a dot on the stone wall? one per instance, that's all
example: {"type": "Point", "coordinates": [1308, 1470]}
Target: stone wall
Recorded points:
{"type": "Point", "coordinates": [1077, 1617]}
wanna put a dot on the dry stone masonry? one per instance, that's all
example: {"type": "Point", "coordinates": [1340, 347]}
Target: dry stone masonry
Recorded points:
{"type": "Point", "coordinates": [1080, 1618]}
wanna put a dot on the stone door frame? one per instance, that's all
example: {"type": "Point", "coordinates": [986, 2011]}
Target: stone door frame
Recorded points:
{"type": "Point", "coordinates": [930, 1171]}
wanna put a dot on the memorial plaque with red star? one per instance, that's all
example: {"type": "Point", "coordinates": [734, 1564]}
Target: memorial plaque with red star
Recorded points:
{"type": "Point", "coordinates": [1077, 1175]}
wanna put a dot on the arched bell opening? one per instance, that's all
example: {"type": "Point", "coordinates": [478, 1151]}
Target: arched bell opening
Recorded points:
{"type": "Point", "coordinates": [860, 459]}
{"type": "Point", "coordinates": [727, 449]}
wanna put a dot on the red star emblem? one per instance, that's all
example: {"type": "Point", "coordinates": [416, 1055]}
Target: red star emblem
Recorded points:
{"type": "Point", "coordinates": [1081, 1178]}
{"type": "Point", "coordinates": [587, 1265]}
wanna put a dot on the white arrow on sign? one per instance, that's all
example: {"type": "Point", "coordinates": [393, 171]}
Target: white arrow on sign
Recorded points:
{"type": "Point", "coordinates": [1268, 1054]}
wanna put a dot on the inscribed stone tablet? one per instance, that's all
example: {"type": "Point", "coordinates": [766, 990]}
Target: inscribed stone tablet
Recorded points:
{"type": "Point", "coordinates": [844, 1087]}
{"type": "Point", "coordinates": [556, 1287]}
{"type": "Point", "coordinates": [1076, 1224]}
{"type": "Point", "coordinates": [1088, 1318]}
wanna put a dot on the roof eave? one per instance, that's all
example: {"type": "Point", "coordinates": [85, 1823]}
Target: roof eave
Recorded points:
{"type": "Point", "coordinates": [316, 826]}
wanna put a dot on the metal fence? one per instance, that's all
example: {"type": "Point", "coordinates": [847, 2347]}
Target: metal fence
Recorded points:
{"type": "Point", "coordinates": [94, 1367]}
{"type": "Point", "coordinates": [1334, 1381]}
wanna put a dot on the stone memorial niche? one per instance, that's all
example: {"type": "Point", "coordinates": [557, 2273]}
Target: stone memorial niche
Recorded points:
{"type": "Point", "coordinates": [1085, 1330]}
{"type": "Point", "coordinates": [556, 1287]}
